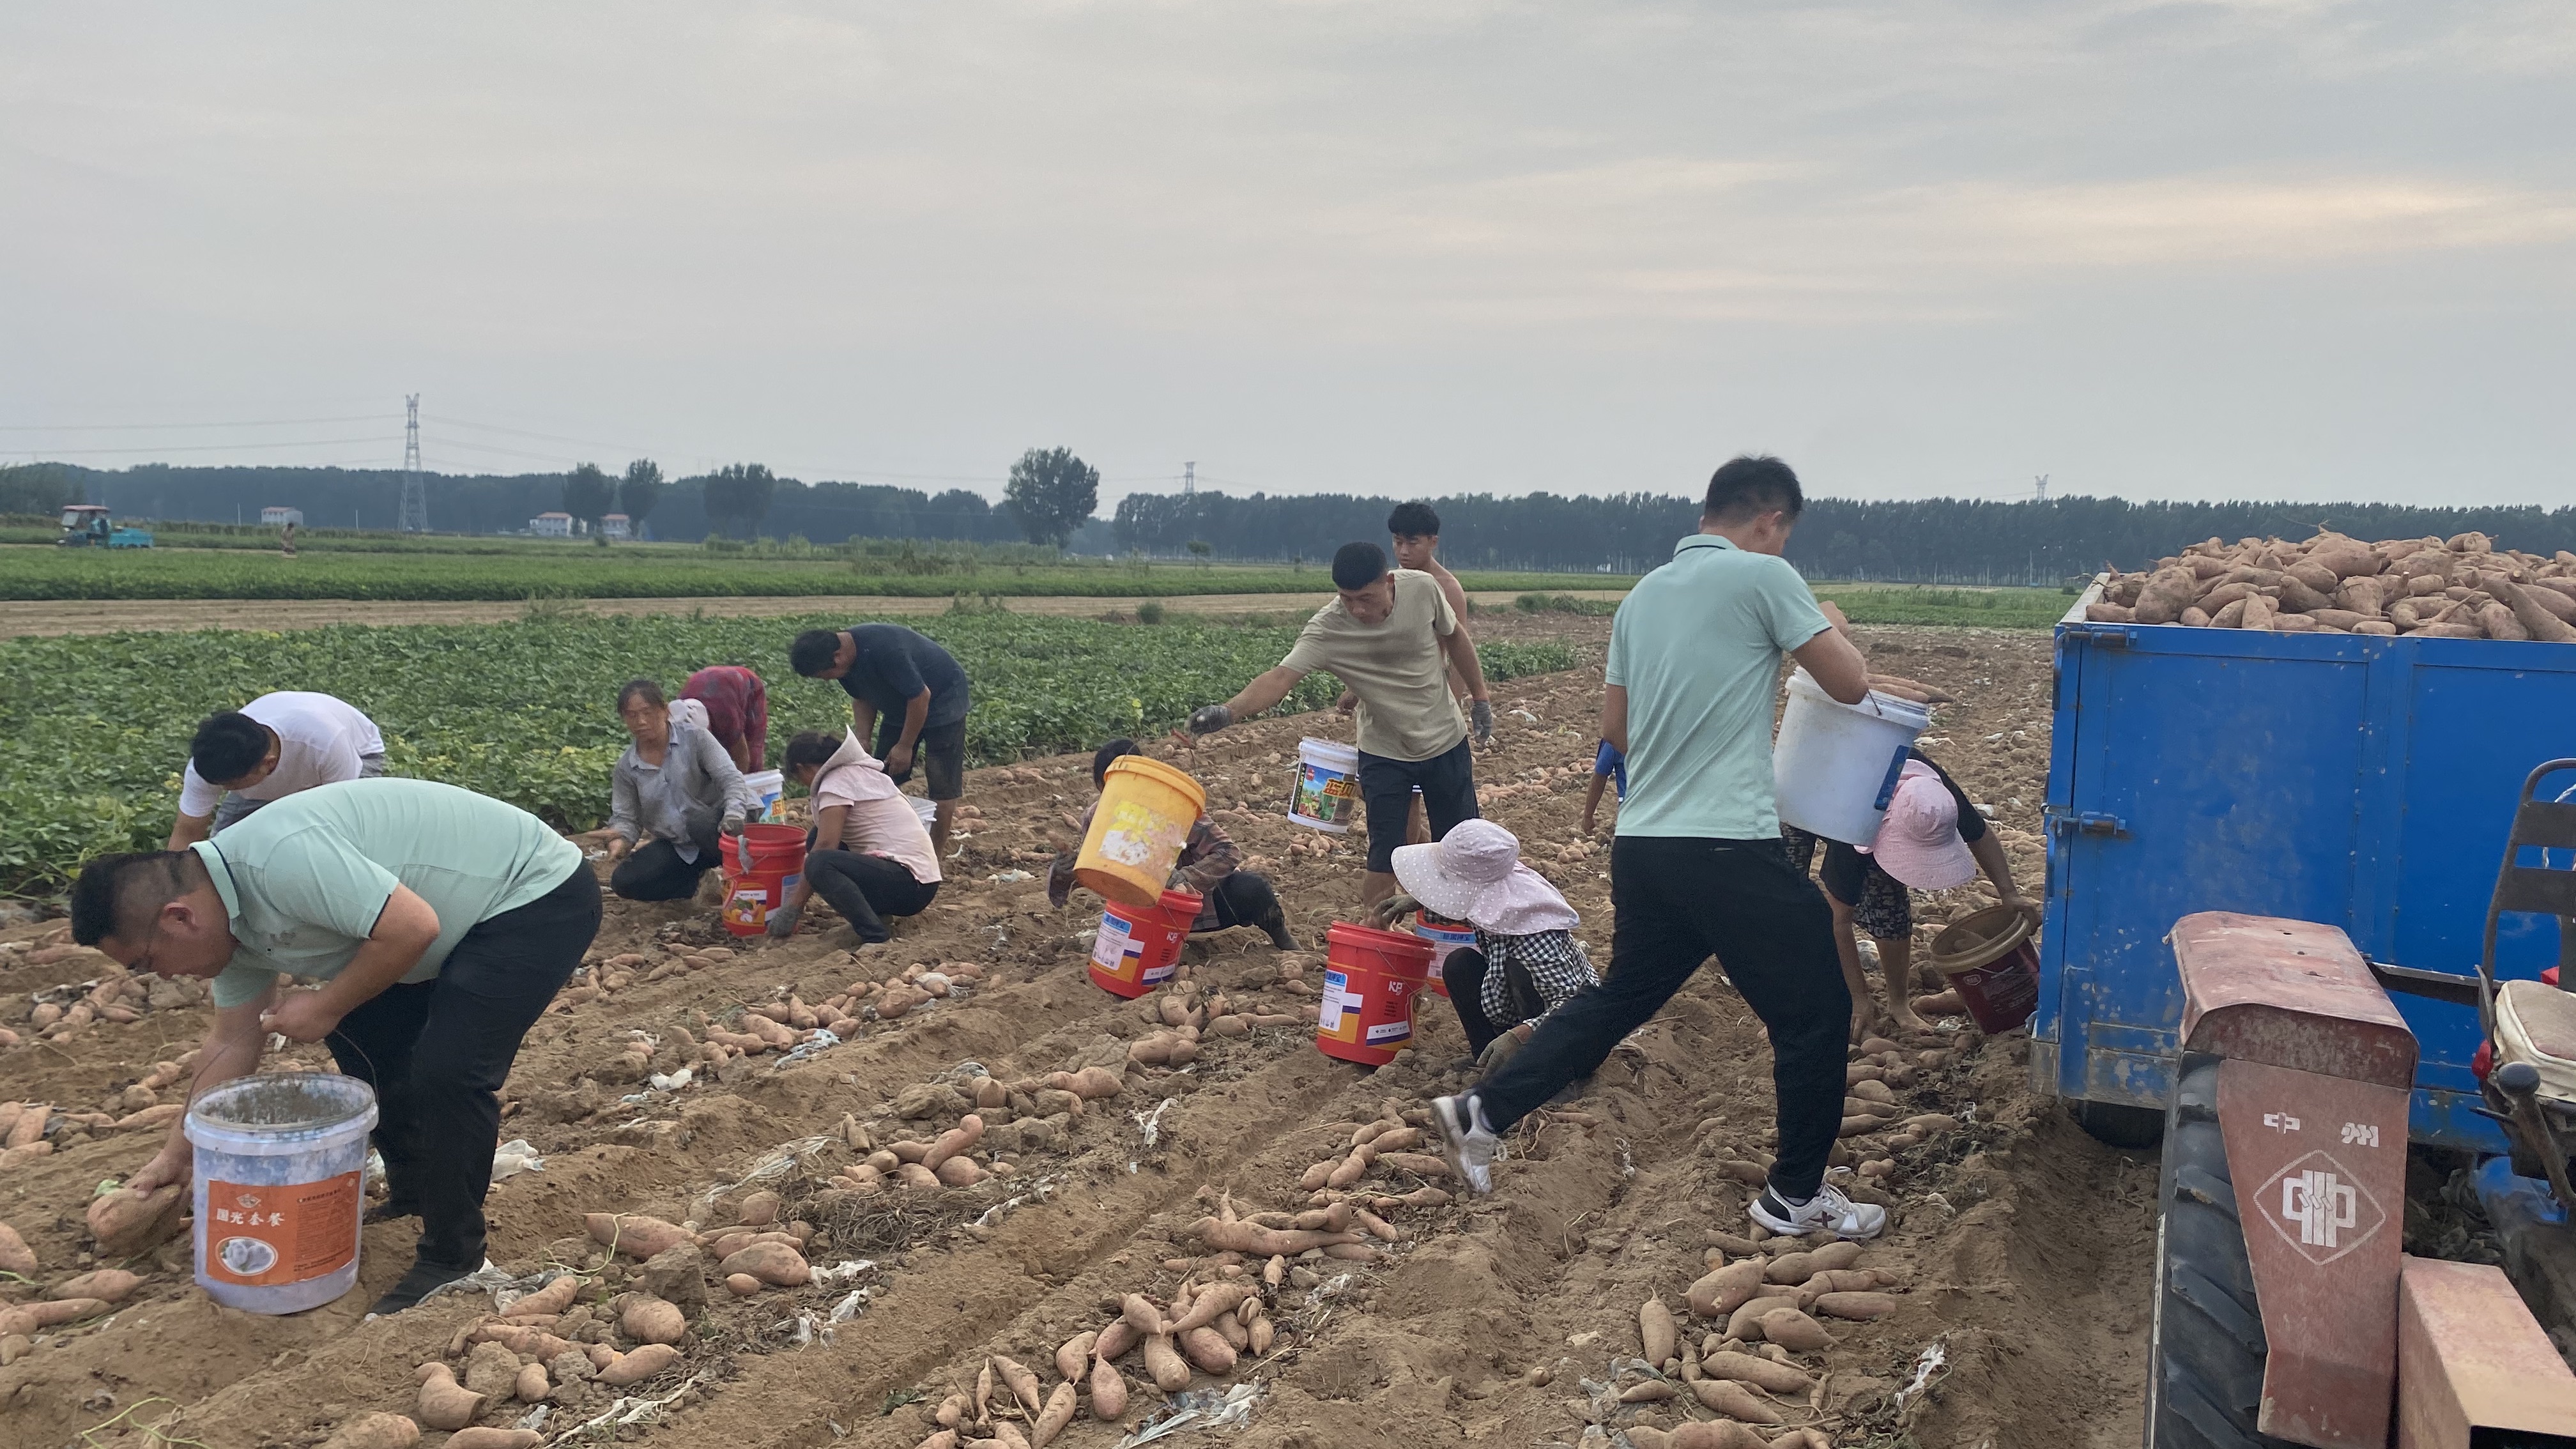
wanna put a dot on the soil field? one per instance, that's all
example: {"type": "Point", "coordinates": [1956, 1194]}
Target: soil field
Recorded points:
{"type": "Point", "coordinates": [2019, 1252]}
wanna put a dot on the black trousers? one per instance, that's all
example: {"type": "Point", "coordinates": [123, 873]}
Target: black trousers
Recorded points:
{"type": "Point", "coordinates": [866, 889]}
{"type": "Point", "coordinates": [1448, 782]}
{"type": "Point", "coordinates": [1240, 899]}
{"type": "Point", "coordinates": [1680, 900]}
{"type": "Point", "coordinates": [437, 1052]}
{"type": "Point", "coordinates": [655, 872]}
{"type": "Point", "coordinates": [1464, 974]}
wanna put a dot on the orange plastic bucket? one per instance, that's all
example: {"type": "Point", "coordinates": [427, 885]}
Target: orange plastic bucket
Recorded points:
{"type": "Point", "coordinates": [761, 866]}
{"type": "Point", "coordinates": [1371, 978]}
{"type": "Point", "coordinates": [1137, 830]}
{"type": "Point", "coordinates": [1138, 950]}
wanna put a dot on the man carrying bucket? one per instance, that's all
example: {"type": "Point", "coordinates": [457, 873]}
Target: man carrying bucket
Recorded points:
{"type": "Point", "coordinates": [911, 692]}
{"type": "Point", "coordinates": [440, 923]}
{"type": "Point", "coordinates": [1391, 636]}
{"type": "Point", "coordinates": [1697, 867]}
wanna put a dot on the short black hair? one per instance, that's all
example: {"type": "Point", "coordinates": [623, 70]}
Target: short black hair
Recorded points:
{"type": "Point", "coordinates": [813, 651]}
{"type": "Point", "coordinates": [112, 887]}
{"type": "Point", "coordinates": [650, 691]}
{"type": "Point", "coordinates": [1751, 484]}
{"type": "Point", "coordinates": [229, 745]}
{"type": "Point", "coordinates": [811, 747]}
{"type": "Point", "coordinates": [1358, 565]}
{"type": "Point", "coordinates": [1116, 749]}
{"type": "Point", "coordinates": [1413, 520]}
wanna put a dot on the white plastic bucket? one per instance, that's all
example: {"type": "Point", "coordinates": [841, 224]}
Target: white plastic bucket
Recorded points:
{"type": "Point", "coordinates": [1835, 765]}
{"type": "Point", "coordinates": [769, 785]}
{"type": "Point", "coordinates": [1327, 792]}
{"type": "Point", "coordinates": [928, 810]}
{"type": "Point", "coordinates": [280, 1184]}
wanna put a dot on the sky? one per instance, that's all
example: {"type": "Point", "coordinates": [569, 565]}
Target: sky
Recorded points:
{"type": "Point", "coordinates": [2266, 249]}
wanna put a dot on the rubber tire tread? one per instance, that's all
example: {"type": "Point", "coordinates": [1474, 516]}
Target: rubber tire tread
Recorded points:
{"type": "Point", "coordinates": [2209, 1348]}
{"type": "Point", "coordinates": [2117, 1124]}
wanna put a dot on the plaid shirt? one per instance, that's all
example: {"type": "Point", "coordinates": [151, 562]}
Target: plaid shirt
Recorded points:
{"type": "Point", "coordinates": [1554, 960]}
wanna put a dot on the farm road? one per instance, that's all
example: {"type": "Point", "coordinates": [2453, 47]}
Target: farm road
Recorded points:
{"type": "Point", "coordinates": [103, 616]}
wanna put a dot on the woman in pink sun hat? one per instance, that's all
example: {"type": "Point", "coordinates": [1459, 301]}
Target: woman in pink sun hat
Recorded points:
{"type": "Point", "coordinates": [1932, 839]}
{"type": "Point", "coordinates": [1525, 962]}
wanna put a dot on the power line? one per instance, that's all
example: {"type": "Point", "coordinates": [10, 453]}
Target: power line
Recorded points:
{"type": "Point", "coordinates": [203, 447]}
{"type": "Point", "coordinates": [181, 427]}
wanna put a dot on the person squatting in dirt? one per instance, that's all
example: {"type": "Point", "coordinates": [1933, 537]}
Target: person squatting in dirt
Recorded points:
{"type": "Point", "coordinates": [1391, 636]}
{"type": "Point", "coordinates": [867, 854]}
{"type": "Point", "coordinates": [1525, 963]}
{"type": "Point", "coordinates": [912, 693]}
{"type": "Point", "coordinates": [1210, 867]}
{"type": "Point", "coordinates": [440, 924]}
{"type": "Point", "coordinates": [1933, 838]}
{"type": "Point", "coordinates": [1697, 867]}
{"type": "Point", "coordinates": [268, 749]}
{"type": "Point", "coordinates": [673, 796]}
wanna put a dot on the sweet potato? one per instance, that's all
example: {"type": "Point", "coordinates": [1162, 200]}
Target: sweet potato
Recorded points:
{"type": "Point", "coordinates": [776, 1264]}
{"type": "Point", "coordinates": [1120, 1336]}
{"type": "Point", "coordinates": [1052, 1419]}
{"type": "Point", "coordinates": [1715, 1434]}
{"type": "Point", "coordinates": [1734, 1400]}
{"type": "Point", "coordinates": [15, 1256]}
{"type": "Point", "coordinates": [519, 1339]}
{"type": "Point", "coordinates": [2535, 620]}
{"type": "Point", "coordinates": [961, 1138]}
{"type": "Point", "coordinates": [642, 1364]}
{"type": "Point", "coordinates": [1208, 1349]}
{"type": "Point", "coordinates": [1254, 1240]}
{"type": "Point", "coordinates": [374, 1431]}
{"type": "Point", "coordinates": [650, 1320]}
{"type": "Point", "coordinates": [1860, 1307]}
{"type": "Point", "coordinates": [30, 1126]}
{"type": "Point", "coordinates": [943, 1439]}
{"type": "Point", "coordinates": [1073, 1355]}
{"type": "Point", "coordinates": [1655, 1330]}
{"type": "Point", "coordinates": [1648, 1391]}
{"type": "Point", "coordinates": [1724, 1291]}
{"type": "Point", "coordinates": [107, 1285]}
{"type": "Point", "coordinates": [1794, 1330]}
{"type": "Point", "coordinates": [959, 1172]}
{"type": "Point", "coordinates": [2165, 596]}
{"type": "Point", "coordinates": [634, 1234]}
{"type": "Point", "coordinates": [531, 1385]}
{"type": "Point", "coordinates": [1165, 1366]}
{"type": "Point", "coordinates": [1762, 1373]}
{"type": "Point", "coordinates": [556, 1296]}
{"type": "Point", "coordinates": [494, 1439]}
{"type": "Point", "coordinates": [1016, 1377]}
{"type": "Point", "coordinates": [29, 1317]}
{"type": "Point", "coordinates": [1006, 1435]}
{"type": "Point", "coordinates": [445, 1403]}
{"type": "Point", "coordinates": [1108, 1391]}
{"type": "Point", "coordinates": [1211, 1305]}
{"type": "Point", "coordinates": [126, 1222]}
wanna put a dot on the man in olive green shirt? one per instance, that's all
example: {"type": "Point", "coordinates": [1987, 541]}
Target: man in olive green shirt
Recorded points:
{"type": "Point", "coordinates": [440, 924]}
{"type": "Point", "coordinates": [1391, 637]}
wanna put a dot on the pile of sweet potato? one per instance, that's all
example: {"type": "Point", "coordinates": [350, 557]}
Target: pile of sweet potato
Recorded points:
{"type": "Point", "coordinates": [2456, 588]}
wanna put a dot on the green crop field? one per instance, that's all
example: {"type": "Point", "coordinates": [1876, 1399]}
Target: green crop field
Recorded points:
{"type": "Point", "coordinates": [574, 570]}
{"type": "Point", "coordinates": [99, 724]}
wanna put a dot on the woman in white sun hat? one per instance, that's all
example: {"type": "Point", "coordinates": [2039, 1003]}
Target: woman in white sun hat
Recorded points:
{"type": "Point", "coordinates": [1933, 839]}
{"type": "Point", "coordinates": [1525, 961]}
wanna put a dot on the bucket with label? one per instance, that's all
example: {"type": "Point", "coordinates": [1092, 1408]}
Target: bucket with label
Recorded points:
{"type": "Point", "coordinates": [769, 785]}
{"type": "Point", "coordinates": [1445, 936]}
{"type": "Point", "coordinates": [1142, 820]}
{"type": "Point", "coordinates": [1139, 949]}
{"type": "Point", "coordinates": [1991, 959]}
{"type": "Point", "coordinates": [761, 868]}
{"type": "Point", "coordinates": [1371, 980]}
{"type": "Point", "coordinates": [280, 1168]}
{"type": "Point", "coordinates": [1835, 766]}
{"type": "Point", "coordinates": [1327, 791]}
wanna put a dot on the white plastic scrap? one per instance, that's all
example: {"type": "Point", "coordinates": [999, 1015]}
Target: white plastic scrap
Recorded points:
{"type": "Point", "coordinates": [1197, 1409]}
{"type": "Point", "coordinates": [1002, 1209]}
{"type": "Point", "coordinates": [673, 1081]}
{"type": "Point", "coordinates": [851, 1306]}
{"type": "Point", "coordinates": [815, 1045]}
{"type": "Point", "coordinates": [1010, 877]}
{"type": "Point", "coordinates": [536, 1418]}
{"type": "Point", "coordinates": [515, 1156]}
{"type": "Point", "coordinates": [1151, 1124]}
{"type": "Point", "coordinates": [1926, 1364]}
{"type": "Point", "coordinates": [841, 1272]}
{"type": "Point", "coordinates": [627, 1410]}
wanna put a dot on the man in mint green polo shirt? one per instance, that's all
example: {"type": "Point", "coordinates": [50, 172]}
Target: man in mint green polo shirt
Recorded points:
{"type": "Point", "coordinates": [1697, 868]}
{"type": "Point", "coordinates": [440, 924]}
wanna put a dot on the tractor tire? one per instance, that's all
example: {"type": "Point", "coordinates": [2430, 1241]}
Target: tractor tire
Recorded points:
{"type": "Point", "coordinates": [2117, 1124]}
{"type": "Point", "coordinates": [2206, 1351]}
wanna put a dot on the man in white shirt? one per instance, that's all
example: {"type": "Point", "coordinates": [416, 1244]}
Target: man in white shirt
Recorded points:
{"type": "Point", "coordinates": [268, 749]}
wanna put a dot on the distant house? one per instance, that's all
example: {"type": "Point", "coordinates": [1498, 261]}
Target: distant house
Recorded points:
{"type": "Point", "coordinates": [277, 517]}
{"type": "Point", "coordinates": [616, 525]}
{"type": "Point", "coordinates": [551, 525]}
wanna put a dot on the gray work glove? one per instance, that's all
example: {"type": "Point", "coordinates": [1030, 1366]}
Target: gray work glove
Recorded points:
{"type": "Point", "coordinates": [1208, 719]}
{"type": "Point", "coordinates": [732, 824]}
{"type": "Point", "coordinates": [1501, 1048]}
{"type": "Point", "coordinates": [782, 922]}
{"type": "Point", "coordinates": [1394, 908]}
{"type": "Point", "coordinates": [1480, 713]}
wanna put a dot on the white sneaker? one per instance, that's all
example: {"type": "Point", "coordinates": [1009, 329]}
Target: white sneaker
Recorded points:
{"type": "Point", "coordinates": [1467, 1139]}
{"type": "Point", "coordinates": [1828, 1211]}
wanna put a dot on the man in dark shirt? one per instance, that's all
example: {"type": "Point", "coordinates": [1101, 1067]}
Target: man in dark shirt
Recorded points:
{"type": "Point", "coordinates": [910, 692]}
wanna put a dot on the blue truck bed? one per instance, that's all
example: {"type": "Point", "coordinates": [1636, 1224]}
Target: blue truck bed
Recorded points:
{"type": "Point", "coordinates": [2364, 782]}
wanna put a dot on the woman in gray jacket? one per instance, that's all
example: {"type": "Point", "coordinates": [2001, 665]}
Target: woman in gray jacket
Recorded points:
{"type": "Point", "coordinates": [676, 785]}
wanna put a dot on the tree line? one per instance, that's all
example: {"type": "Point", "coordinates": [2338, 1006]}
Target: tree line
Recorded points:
{"type": "Point", "coordinates": [1052, 493]}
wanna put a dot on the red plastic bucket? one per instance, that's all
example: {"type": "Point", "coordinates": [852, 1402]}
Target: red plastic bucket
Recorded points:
{"type": "Point", "coordinates": [761, 866]}
{"type": "Point", "coordinates": [1138, 949]}
{"type": "Point", "coordinates": [1371, 979]}
{"type": "Point", "coordinates": [1989, 958]}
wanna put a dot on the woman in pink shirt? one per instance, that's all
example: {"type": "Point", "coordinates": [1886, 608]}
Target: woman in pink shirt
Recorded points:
{"type": "Point", "coordinates": [869, 855]}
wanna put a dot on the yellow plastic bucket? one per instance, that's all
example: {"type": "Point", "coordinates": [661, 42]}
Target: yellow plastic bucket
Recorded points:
{"type": "Point", "coordinates": [1144, 817]}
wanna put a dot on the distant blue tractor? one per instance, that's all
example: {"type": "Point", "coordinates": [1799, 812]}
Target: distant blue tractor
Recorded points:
{"type": "Point", "coordinates": [87, 525]}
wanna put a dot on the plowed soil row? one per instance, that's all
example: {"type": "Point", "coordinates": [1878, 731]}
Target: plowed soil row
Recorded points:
{"type": "Point", "coordinates": [2021, 1246]}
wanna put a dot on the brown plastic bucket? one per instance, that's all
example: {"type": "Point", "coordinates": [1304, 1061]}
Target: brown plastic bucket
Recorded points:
{"type": "Point", "coordinates": [1990, 957]}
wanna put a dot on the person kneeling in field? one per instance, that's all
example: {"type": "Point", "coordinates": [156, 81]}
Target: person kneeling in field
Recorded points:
{"type": "Point", "coordinates": [869, 853]}
{"type": "Point", "coordinates": [1933, 838]}
{"type": "Point", "coordinates": [440, 923]}
{"type": "Point", "coordinates": [1210, 868]}
{"type": "Point", "coordinates": [1525, 962]}
{"type": "Point", "coordinates": [676, 784]}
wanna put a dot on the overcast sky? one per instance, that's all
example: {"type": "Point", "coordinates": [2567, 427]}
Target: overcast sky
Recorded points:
{"type": "Point", "coordinates": [2277, 248]}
